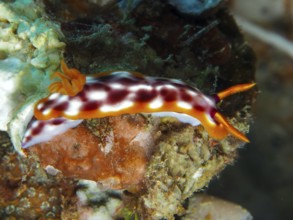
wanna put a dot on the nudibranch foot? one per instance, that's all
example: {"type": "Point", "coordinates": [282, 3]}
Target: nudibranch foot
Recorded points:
{"type": "Point", "coordinates": [42, 131]}
{"type": "Point", "coordinates": [72, 81]}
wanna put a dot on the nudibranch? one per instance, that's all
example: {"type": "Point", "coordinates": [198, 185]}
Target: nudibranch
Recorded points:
{"type": "Point", "coordinates": [76, 97]}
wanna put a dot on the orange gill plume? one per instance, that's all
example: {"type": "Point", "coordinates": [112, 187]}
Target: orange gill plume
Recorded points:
{"type": "Point", "coordinates": [72, 81]}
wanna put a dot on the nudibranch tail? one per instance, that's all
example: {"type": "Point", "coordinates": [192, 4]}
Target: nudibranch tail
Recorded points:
{"type": "Point", "coordinates": [233, 131]}
{"type": "Point", "coordinates": [72, 81]}
{"type": "Point", "coordinates": [234, 89]}
{"type": "Point", "coordinates": [221, 120]}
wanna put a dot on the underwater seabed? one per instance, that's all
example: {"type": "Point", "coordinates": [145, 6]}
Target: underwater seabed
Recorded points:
{"type": "Point", "coordinates": [131, 166]}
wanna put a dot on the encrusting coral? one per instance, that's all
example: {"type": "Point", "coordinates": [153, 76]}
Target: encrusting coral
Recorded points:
{"type": "Point", "coordinates": [30, 50]}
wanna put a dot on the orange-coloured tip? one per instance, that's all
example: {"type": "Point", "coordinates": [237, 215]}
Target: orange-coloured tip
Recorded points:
{"type": "Point", "coordinates": [220, 119]}
{"type": "Point", "coordinates": [235, 89]}
{"type": "Point", "coordinates": [71, 81]}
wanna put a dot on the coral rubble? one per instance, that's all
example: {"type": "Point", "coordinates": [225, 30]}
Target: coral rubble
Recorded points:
{"type": "Point", "coordinates": [208, 207]}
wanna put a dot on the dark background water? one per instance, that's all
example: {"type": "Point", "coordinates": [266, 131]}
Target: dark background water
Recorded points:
{"type": "Point", "coordinates": [262, 178]}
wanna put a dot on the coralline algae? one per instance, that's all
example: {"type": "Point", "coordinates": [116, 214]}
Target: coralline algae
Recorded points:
{"type": "Point", "coordinates": [113, 152]}
{"type": "Point", "coordinates": [30, 51]}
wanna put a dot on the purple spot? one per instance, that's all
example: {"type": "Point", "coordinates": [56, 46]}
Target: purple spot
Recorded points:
{"type": "Point", "coordinates": [185, 96]}
{"type": "Point", "coordinates": [198, 107]}
{"type": "Point", "coordinates": [29, 138]}
{"type": "Point", "coordinates": [61, 107]}
{"type": "Point", "coordinates": [213, 111]}
{"type": "Point", "coordinates": [47, 105]}
{"type": "Point", "coordinates": [37, 130]}
{"type": "Point", "coordinates": [145, 95]}
{"type": "Point", "coordinates": [216, 98]}
{"type": "Point", "coordinates": [82, 96]}
{"type": "Point", "coordinates": [168, 95]}
{"type": "Point", "coordinates": [57, 121]}
{"type": "Point", "coordinates": [91, 105]}
{"type": "Point", "coordinates": [117, 96]}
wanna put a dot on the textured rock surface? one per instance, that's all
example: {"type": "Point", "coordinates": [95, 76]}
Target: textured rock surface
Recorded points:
{"type": "Point", "coordinates": [114, 154]}
{"type": "Point", "coordinates": [30, 50]}
{"type": "Point", "coordinates": [208, 207]}
{"type": "Point", "coordinates": [264, 170]}
{"type": "Point", "coordinates": [171, 160]}
{"type": "Point", "coordinates": [28, 192]}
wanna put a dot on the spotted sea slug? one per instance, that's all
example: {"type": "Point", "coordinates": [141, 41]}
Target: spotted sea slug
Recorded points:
{"type": "Point", "coordinates": [76, 97]}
